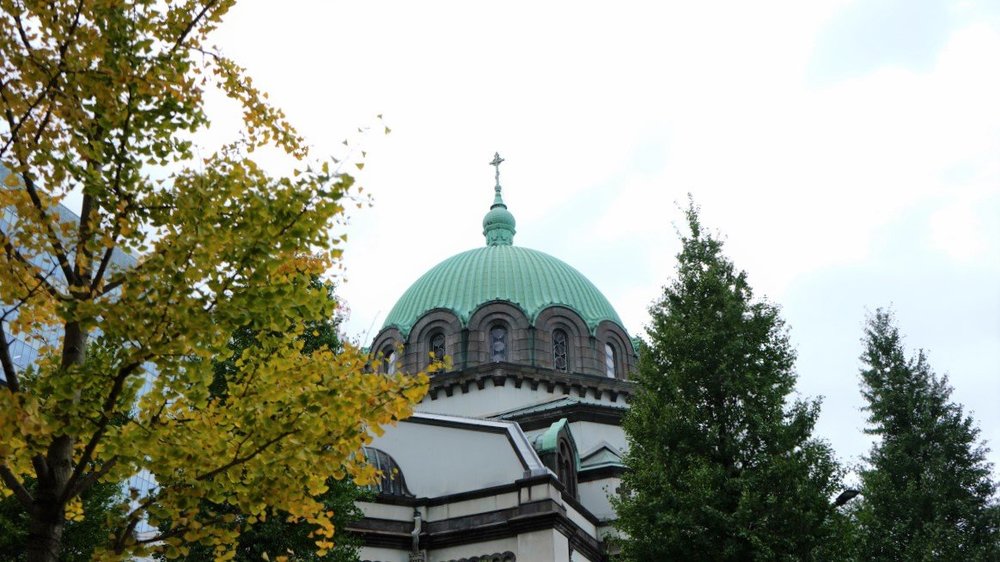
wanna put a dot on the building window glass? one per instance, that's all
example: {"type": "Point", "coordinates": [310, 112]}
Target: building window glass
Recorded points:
{"type": "Point", "coordinates": [389, 360]}
{"type": "Point", "coordinates": [567, 467]}
{"type": "Point", "coordinates": [437, 347]}
{"type": "Point", "coordinates": [391, 482]}
{"type": "Point", "coordinates": [560, 360]}
{"type": "Point", "coordinates": [609, 360]}
{"type": "Point", "coordinates": [498, 344]}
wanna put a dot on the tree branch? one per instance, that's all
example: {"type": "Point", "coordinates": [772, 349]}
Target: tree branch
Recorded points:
{"type": "Point", "coordinates": [20, 492]}
{"type": "Point", "coordinates": [57, 248]}
{"type": "Point", "coordinates": [48, 87]}
{"type": "Point", "coordinates": [89, 480]}
{"type": "Point", "coordinates": [191, 25]}
{"type": "Point", "coordinates": [249, 456]}
{"type": "Point", "coordinates": [14, 255]}
{"type": "Point", "coordinates": [118, 279]}
{"type": "Point", "coordinates": [102, 425]}
{"type": "Point", "coordinates": [9, 371]}
{"type": "Point", "coordinates": [41, 468]}
{"type": "Point", "coordinates": [176, 531]}
{"type": "Point", "coordinates": [116, 186]}
{"type": "Point", "coordinates": [24, 36]}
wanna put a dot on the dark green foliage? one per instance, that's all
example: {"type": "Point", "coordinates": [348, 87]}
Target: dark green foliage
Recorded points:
{"type": "Point", "coordinates": [721, 465]}
{"type": "Point", "coordinates": [80, 538]}
{"type": "Point", "coordinates": [927, 491]}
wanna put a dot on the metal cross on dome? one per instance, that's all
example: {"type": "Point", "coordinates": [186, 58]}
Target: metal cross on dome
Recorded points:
{"type": "Point", "coordinates": [496, 164]}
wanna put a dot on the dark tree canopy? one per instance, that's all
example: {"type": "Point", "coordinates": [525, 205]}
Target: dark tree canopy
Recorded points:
{"type": "Point", "coordinates": [721, 464]}
{"type": "Point", "coordinates": [927, 489]}
{"type": "Point", "coordinates": [80, 539]}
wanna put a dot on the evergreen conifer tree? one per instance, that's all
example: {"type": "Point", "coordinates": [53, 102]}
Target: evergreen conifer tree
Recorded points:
{"type": "Point", "coordinates": [927, 490]}
{"type": "Point", "coordinates": [721, 464]}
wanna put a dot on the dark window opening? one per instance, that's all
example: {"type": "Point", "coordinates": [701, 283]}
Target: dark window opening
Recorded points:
{"type": "Point", "coordinates": [610, 360]}
{"type": "Point", "coordinates": [437, 347]}
{"type": "Point", "coordinates": [567, 467]}
{"type": "Point", "coordinates": [560, 358]}
{"type": "Point", "coordinates": [391, 481]}
{"type": "Point", "coordinates": [388, 360]}
{"type": "Point", "coordinates": [498, 344]}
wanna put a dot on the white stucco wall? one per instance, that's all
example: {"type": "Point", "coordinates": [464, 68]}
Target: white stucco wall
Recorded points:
{"type": "Point", "coordinates": [594, 496]}
{"type": "Point", "coordinates": [386, 511]}
{"type": "Point", "coordinates": [538, 546]}
{"type": "Point", "coordinates": [438, 460]}
{"type": "Point", "coordinates": [543, 546]}
{"type": "Point", "coordinates": [577, 557]}
{"type": "Point", "coordinates": [581, 521]}
{"type": "Point", "coordinates": [472, 507]}
{"type": "Point", "coordinates": [383, 554]}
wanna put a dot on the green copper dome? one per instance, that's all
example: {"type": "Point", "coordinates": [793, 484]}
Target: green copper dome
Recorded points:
{"type": "Point", "coordinates": [501, 271]}
{"type": "Point", "coordinates": [530, 279]}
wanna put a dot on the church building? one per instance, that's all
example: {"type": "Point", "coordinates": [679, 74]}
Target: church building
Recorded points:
{"type": "Point", "coordinates": [514, 451]}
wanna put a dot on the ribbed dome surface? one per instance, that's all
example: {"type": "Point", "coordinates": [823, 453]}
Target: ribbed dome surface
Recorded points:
{"type": "Point", "coordinates": [527, 278]}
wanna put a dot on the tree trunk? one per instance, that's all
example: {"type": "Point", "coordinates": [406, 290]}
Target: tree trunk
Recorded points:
{"type": "Point", "coordinates": [49, 514]}
{"type": "Point", "coordinates": [47, 523]}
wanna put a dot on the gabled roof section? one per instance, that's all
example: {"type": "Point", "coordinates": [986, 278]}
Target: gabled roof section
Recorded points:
{"type": "Point", "coordinates": [601, 455]}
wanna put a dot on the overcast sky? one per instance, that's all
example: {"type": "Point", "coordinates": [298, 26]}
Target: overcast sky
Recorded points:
{"type": "Point", "coordinates": [848, 151]}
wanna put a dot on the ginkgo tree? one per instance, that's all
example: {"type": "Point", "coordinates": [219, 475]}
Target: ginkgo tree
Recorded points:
{"type": "Point", "coordinates": [98, 98]}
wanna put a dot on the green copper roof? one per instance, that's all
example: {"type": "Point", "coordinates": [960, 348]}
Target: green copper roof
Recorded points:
{"type": "Point", "coordinates": [528, 278]}
{"type": "Point", "coordinates": [549, 440]}
{"type": "Point", "coordinates": [501, 271]}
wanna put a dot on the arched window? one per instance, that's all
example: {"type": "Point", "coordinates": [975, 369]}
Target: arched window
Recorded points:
{"type": "Point", "coordinates": [560, 357]}
{"type": "Point", "coordinates": [391, 481]}
{"type": "Point", "coordinates": [610, 360]}
{"type": "Point", "coordinates": [389, 360]}
{"type": "Point", "coordinates": [498, 344]}
{"type": "Point", "coordinates": [437, 347]}
{"type": "Point", "coordinates": [567, 467]}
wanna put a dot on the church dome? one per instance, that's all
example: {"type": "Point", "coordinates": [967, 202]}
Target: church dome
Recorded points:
{"type": "Point", "coordinates": [505, 304]}
{"type": "Point", "coordinates": [529, 279]}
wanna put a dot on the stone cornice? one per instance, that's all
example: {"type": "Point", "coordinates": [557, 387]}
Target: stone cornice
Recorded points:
{"type": "Point", "coordinates": [503, 523]}
{"type": "Point", "coordinates": [480, 527]}
{"type": "Point", "coordinates": [580, 411]}
{"type": "Point", "coordinates": [573, 384]}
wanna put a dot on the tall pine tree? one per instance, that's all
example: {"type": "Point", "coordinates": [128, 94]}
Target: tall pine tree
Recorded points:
{"type": "Point", "coordinates": [927, 490]}
{"type": "Point", "coordinates": [721, 464]}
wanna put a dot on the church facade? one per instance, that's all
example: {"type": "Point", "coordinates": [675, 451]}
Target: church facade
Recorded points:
{"type": "Point", "coordinates": [516, 448]}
